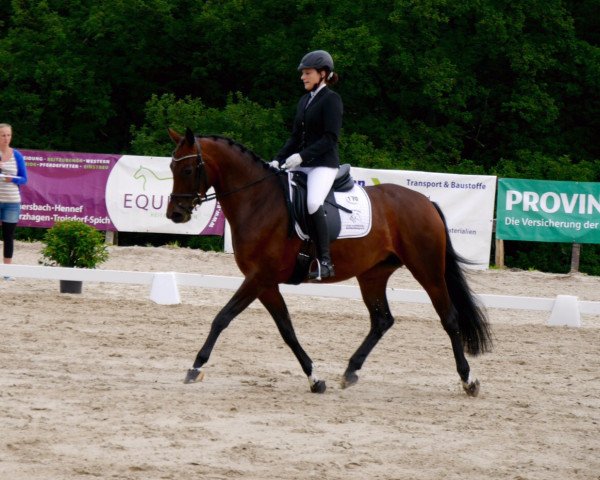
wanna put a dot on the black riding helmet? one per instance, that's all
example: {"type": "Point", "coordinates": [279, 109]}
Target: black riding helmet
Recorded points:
{"type": "Point", "coordinates": [319, 59]}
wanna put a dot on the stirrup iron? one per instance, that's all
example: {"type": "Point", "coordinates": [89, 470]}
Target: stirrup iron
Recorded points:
{"type": "Point", "coordinates": [317, 275]}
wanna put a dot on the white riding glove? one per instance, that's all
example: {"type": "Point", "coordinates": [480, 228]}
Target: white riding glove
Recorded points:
{"type": "Point", "coordinates": [292, 161]}
{"type": "Point", "coordinates": [274, 164]}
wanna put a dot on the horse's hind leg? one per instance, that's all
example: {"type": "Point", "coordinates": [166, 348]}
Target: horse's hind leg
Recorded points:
{"type": "Point", "coordinates": [274, 303]}
{"type": "Point", "coordinates": [450, 321]}
{"type": "Point", "coordinates": [435, 285]}
{"type": "Point", "coordinates": [372, 286]}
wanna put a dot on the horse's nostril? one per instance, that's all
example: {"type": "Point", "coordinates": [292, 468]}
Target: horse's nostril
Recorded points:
{"type": "Point", "coordinates": [177, 217]}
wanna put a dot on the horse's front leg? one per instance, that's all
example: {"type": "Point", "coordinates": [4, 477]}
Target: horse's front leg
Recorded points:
{"type": "Point", "coordinates": [274, 303]}
{"type": "Point", "coordinates": [243, 297]}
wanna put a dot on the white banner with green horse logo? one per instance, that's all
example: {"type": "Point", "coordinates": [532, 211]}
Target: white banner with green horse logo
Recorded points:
{"type": "Point", "coordinates": [548, 211]}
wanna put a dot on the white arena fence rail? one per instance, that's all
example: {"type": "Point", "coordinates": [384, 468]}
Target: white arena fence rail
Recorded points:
{"type": "Point", "coordinates": [164, 290]}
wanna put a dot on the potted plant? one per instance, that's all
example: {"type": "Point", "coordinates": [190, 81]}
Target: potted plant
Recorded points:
{"type": "Point", "coordinates": [72, 243]}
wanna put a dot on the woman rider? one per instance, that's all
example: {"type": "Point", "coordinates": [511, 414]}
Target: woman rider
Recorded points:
{"type": "Point", "coordinates": [313, 146]}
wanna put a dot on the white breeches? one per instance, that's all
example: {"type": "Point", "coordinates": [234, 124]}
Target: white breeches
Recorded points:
{"type": "Point", "coordinates": [318, 183]}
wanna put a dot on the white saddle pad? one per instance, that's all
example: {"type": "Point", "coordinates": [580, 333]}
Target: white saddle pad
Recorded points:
{"type": "Point", "coordinates": [358, 223]}
{"type": "Point", "coordinates": [355, 224]}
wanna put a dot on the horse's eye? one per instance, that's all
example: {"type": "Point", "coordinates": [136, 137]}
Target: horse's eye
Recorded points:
{"type": "Point", "coordinates": [188, 171]}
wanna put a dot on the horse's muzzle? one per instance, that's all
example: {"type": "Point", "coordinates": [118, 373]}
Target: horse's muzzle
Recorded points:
{"type": "Point", "coordinates": [178, 214]}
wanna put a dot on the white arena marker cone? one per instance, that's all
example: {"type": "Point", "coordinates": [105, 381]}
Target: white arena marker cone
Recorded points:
{"type": "Point", "coordinates": [164, 289]}
{"type": "Point", "coordinates": [565, 312]}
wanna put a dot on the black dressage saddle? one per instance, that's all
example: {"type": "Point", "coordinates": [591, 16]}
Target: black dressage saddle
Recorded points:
{"type": "Point", "coordinates": [298, 214]}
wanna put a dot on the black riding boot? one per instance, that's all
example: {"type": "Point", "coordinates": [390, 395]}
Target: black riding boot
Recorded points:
{"type": "Point", "coordinates": [321, 233]}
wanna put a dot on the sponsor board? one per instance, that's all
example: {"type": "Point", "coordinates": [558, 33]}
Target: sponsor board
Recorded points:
{"type": "Point", "coordinates": [110, 192]}
{"type": "Point", "coordinates": [467, 202]}
{"type": "Point", "coordinates": [130, 193]}
{"type": "Point", "coordinates": [548, 211]}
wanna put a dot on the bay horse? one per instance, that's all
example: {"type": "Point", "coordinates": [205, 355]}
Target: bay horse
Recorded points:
{"type": "Point", "coordinates": [407, 229]}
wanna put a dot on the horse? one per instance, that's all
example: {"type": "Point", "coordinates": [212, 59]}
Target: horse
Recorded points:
{"type": "Point", "coordinates": [407, 230]}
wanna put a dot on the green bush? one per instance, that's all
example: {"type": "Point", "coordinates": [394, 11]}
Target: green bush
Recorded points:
{"type": "Point", "coordinates": [208, 243]}
{"type": "Point", "coordinates": [30, 234]}
{"type": "Point", "coordinates": [72, 243]}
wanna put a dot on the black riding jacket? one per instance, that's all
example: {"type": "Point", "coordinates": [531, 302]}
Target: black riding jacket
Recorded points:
{"type": "Point", "coordinates": [316, 130]}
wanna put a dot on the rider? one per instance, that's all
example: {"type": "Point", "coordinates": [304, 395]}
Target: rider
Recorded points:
{"type": "Point", "coordinates": [313, 146]}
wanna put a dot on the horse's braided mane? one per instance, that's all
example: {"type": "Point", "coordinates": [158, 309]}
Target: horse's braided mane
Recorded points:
{"type": "Point", "coordinates": [238, 145]}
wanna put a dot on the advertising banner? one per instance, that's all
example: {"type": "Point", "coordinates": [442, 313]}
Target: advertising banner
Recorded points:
{"type": "Point", "coordinates": [548, 211]}
{"type": "Point", "coordinates": [467, 202]}
{"type": "Point", "coordinates": [130, 194]}
{"type": "Point", "coordinates": [110, 192]}
{"type": "Point", "coordinates": [65, 185]}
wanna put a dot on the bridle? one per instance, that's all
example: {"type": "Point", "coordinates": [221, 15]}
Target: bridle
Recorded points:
{"type": "Point", "coordinates": [200, 179]}
{"type": "Point", "coordinates": [197, 199]}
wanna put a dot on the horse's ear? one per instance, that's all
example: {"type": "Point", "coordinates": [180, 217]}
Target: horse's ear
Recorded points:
{"type": "Point", "coordinates": [174, 135]}
{"type": "Point", "coordinates": [189, 136]}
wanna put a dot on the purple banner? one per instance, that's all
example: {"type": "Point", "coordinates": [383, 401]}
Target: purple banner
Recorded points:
{"type": "Point", "coordinates": [109, 192]}
{"type": "Point", "coordinates": [66, 186]}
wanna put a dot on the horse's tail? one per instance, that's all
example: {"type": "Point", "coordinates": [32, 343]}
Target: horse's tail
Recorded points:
{"type": "Point", "coordinates": [472, 319]}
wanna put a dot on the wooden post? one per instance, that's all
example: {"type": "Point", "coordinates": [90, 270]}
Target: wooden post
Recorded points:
{"type": "Point", "coordinates": [499, 249]}
{"type": "Point", "coordinates": [111, 238]}
{"type": "Point", "coordinates": [499, 257]}
{"type": "Point", "coordinates": [575, 255]}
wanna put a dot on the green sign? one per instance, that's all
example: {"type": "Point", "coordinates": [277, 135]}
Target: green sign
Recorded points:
{"type": "Point", "coordinates": [546, 211]}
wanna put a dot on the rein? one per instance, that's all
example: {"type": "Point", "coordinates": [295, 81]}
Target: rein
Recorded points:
{"type": "Point", "coordinates": [198, 199]}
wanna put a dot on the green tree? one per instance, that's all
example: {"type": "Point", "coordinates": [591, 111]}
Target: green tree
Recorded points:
{"type": "Point", "coordinates": [44, 83]}
{"type": "Point", "coordinates": [259, 129]}
{"type": "Point", "coordinates": [436, 85]}
{"type": "Point", "coordinates": [76, 74]}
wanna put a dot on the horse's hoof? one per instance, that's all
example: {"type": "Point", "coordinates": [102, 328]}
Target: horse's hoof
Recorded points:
{"type": "Point", "coordinates": [318, 387]}
{"type": "Point", "coordinates": [472, 388]}
{"type": "Point", "coordinates": [349, 379]}
{"type": "Point", "coordinates": [194, 375]}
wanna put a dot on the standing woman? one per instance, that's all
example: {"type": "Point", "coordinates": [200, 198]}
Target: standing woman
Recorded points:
{"type": "Point", "coordinates": [313, 146]}
{"type": "Point", "coordinates": [13, 173]}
